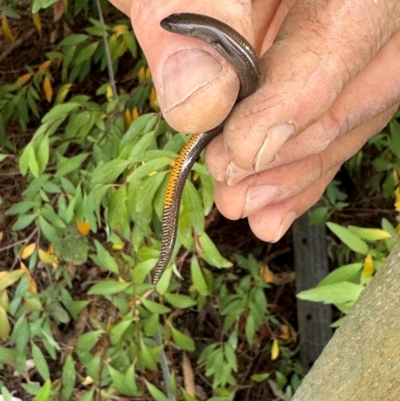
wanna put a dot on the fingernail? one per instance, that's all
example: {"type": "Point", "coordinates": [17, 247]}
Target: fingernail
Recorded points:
{"type": "Point", "coordinates": [287, 221]}
{"type": "Point", "coordinates": [235, 174]}
{"type": "Point", "coordinates": [259, 196]}
{"type": "Point", "coordinates": [275, 138]}
{"type": "Point", "coordinates": [184, 73]}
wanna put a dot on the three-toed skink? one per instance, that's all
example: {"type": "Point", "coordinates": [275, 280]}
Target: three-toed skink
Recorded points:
{"type": "Point", "coordinates": [241, 55]}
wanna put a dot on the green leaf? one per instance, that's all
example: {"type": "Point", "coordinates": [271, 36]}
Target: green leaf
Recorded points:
{"type": "Point", "coordinates": [130, 42]}
{"type": "Point", "coordinates": [155, 307]}
{"type": "Point", "coordinates": [149, 356]}
{"type": "Point", "coordinates": [104, 258]}
{"type": "Point", "coordinates": [341, 274]}
{"type": "Point", "coordinates": [24, 158]}
{"type": "Point", "coordinates": [117, 214]}
{"type": "Point", "coordinates": [23, 222]}
{"type": "Point", "coordinates": [182, 341]}
{"type": "Point", "coordinates": [69, 165]}
{"type": "Point", "coordinates": [5, 327]}
{"type": "Point", "coordinates": [21, 207]}
{"type": "Point", "coordinates": [333, 293]}
{"type": "Point", "coordinates": [73, 40]}
{"type": "Point", "coordinates": [37, 5]}
{"type": "Point", "coordinates": [8, 355]}
{"type": "Point", "coordinates": [44, 393]}
{"type": "Point", "coordinates": [125, 383]}
{"type": "Point", "coordinates": [250, 329]}
{"type": "Point", "coordinates": [259, 377]}
{"type": "Point", "coordinates": [42, 152]}
{"type": "Point", "coordinates": [191, 204]}
{"type": "Point", "coordinates": [86, 53]}
{"type": "Point", "coordinates": [370, 234]}
{"type": "Point", "coordinates": [87, 396]}
{"type": "Point", "coordinates": [156, 393]}
{"type": "Point", "coordinates": [47, 229]}
{"type": "Point", "coordinates": [211, 254]}
{"type": "Point", "coordinates": [149, 168]}
{"type": "Point", "coordinates": [88, 340]}
{"type": "Point", "coordinates": [10, 278]}
{"type": "Point", "coordinates": [230, 357]}
{"type": "Point", "coordinates": [6, 394]}
{"type": "Point", "coordinates": [109, 172]}
{"type": "Point", "coordinates": [140, 126]}
{"type": "Point", "coordinates": [117, 332]}
{"type": "Point", "coordinates": [108, 287]}
{"type": "Point", "coordinates": [179, 300]}
{"type": "Point", "coordinates": [141, 270]}
{"type": "Point", "coordinates": [60, 111]}
{"type": "Point", "coordinates": [40, 362]}
{"type": "Point", "coordinates": [147, 189]}
{"type": "Point", "coordinates": [68, 378]}
{"type": "Point", "coordinates": [348, 238]}
{"type": "Point", "coordinates": [198, 279]}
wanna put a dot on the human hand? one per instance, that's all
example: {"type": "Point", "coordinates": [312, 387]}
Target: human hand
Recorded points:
{"type": "Point", "coordinates": [331, 81]}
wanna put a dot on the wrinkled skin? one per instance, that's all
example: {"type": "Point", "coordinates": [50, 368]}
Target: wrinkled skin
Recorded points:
{"type": "Point", "coordinates": [331, 81]}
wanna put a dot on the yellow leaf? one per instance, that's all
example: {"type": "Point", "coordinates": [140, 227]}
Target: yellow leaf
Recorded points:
{"type": "Point", "coordinates": [87, 381]}
{"type": "Point", "coordinates": [135, 114]}
{"type": "Point", "coordinates": [275, 350]}
{"type": "Point", "coordinates": [118, 247]}
{"type": "Point", "coordinates": [4, 300]}
{"type": "Point", "coordinates": [22, 266]}
{"type": "Point", "coordinates": [1, 235]}
{"type": "Point", "coordinates": [50, 249]}
{"type": "Point", "coordinates": [44, 66]}
{"type": "Point", "coordinates": [109, 94]}
{"type": "Point", "coordinates": [142, 74]}
{"type": "Point", "coordinates": [120, 29]}
{"type": "Point", "coordinates": [28, 250]}
{"type": "Point", "coordinates": [267, 274]}
{"type": "Point", "coordinates": [37, 22]}
{"type": "Point", "coordinates": [32, 285]}
{"type": "Point", "coordinates": [127, 118]}
{"type": "Point", "coordinates": [4, 325]}
{"type": "Point", "coordinates": [83, 228]}
{"type": "Point", "coordinates": [368, 267]}
{"type": "Point", "coordinates": [148, 73]}
{"type": "Point", "coordinates": [9, 278]}
{"type": "Point", "coordinates": [23, 79]}
{"type": "Point", "coordinates": [6, 29]}
{"type": "Point", "coordinates": [62, 93]}
{"type": "Point", "coordinates": [285, 332]}
{"type": "Point", "coordinates": [46, 257]}
{"type": "Point", "coordinates": [48, 90]}
{"type": "Point", "coordinates": [153, 100]}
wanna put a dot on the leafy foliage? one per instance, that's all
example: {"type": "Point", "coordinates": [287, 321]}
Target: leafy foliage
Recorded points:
{"type": "Point", "coordinates": [79, 318]}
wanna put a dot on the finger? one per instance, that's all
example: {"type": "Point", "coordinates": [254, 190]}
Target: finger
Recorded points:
{"type": "Point", "coordinates": [280, 183]}
{"type": "Point", "coordinates": [271, 222]}
{"type": "Point", "coordinates": [379, 81]}
{"type": "Point", "coordinates": [375, 89]}
{"type": "Point", "coordinates": [319, 50]}
{"type": "Point", "coordinates": [190, 77]}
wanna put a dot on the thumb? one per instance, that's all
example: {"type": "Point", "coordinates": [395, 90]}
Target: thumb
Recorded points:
{"type": "Point", "coordinates": [196, 86]}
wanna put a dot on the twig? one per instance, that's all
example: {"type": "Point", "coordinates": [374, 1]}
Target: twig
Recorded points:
{"type": "Point", "coordinates": [22, 241]}
{"type": "Point", "coordinates": [162, 357]}
{"type": "Point", "coordinates": [107, 50]}
{"type": "Point", "coordinates": [14, 45]}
